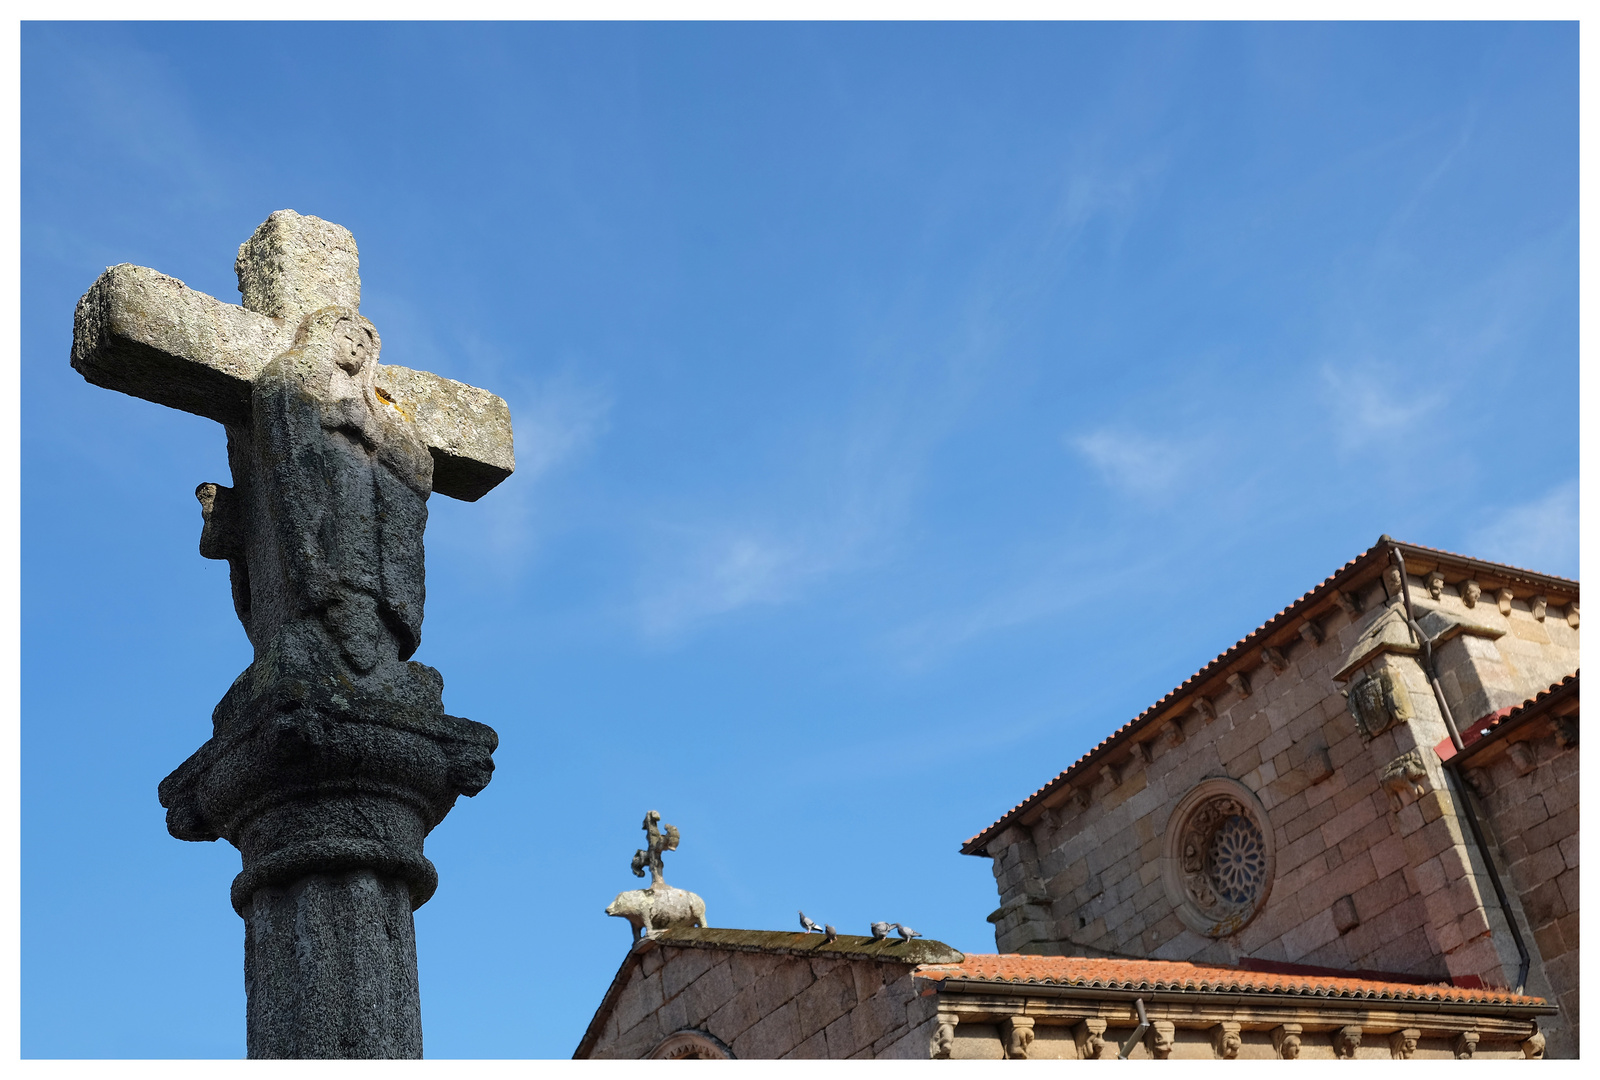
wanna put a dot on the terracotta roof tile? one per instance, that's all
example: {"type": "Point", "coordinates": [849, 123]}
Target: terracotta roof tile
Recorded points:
{"type": "Point", "coordinates": [1237, 650]}
{"type": "Point", "coordinates": [1116, 974]}
{"type": "Point", "coordinates": [1487, 727]}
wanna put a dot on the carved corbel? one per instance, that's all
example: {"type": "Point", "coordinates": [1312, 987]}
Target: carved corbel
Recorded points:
{"type": "Point", "coordinates": [1240, 684]}
{"type": "Point", "coordinates": [1538, 605]}
{"type": "Point", "coordinates": [1018, 1032]}
{"type": "Point", "coordinates": [1350, 602]}
{"type": "Point", "coordinates": [1079, 799]}
{"type": "Point", "coordinates": [1346, 1041]}
{"type": "Point", "coordinates": [1405, 776]}
{"type": "Point", "coordinates": [1505, 597]}
{"type": "Point", "coordinates": [1566, 732]}
{"type": "Point", "coordinates": [1435, 584]}
{"type": "Point", "coordinates": [1572, 614]}
{"type": "Point", "coordinates": [1318, 766]}
{"type": "Point", "coordinates": [1311, 633]}
{"type": "Point", "coordinates": [1533, 1046]}
{"type": "Point", "coordinates": [1403, 1043]}
{"type": "Point", "coordinates": [1090, 1036]}
{"type": "Point", "coordinates": [1159, 1039]}
{"type": "Point", "coordinates": [1521, 755]}
{"type": "Point", "coordinates": [1480, 781]}
{"type": "Point", "coordinates": [1466, 1045]}
{"type": "Point", "coordinates": [1226, 1040]}
{"type": "Point", "coordinates": [1345, 917]}
{"type": "Point", "coordinates": [1392, 582]}
{"type": "Point", "coordinates": [1470, 591]}
{"type": "Point", "coordinates": [1112, 774]}
{"type": "Point", "coordinates": [1286, 1040]}
{"type": "Point", "coordinates": [1175, 732]}
{"type": "Point", "coordinates": [944, 1037]}
{"type": "Point", "coordinates": [1274, 659]}
{"type": "Point", "coordinates": [1141, 751]}
{"type": "Point", "coordinates": [1204, 709]}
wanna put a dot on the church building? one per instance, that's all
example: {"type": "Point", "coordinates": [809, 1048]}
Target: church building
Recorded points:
{"type": "Point", "coordinates": [1354, 834]}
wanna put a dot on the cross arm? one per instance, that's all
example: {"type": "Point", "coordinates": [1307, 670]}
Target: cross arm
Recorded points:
{"type": "Point", "coordinates": [149, 335]}
{"type": "Point", "coordinates": [143, 333]}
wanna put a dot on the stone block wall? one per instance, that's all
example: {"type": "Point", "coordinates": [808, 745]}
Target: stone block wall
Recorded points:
{"type": "Point", "coordinates": [1530, 808]}
{"type": "Point", "coordinates": [769, 1006]}
{"type": "Point", "coordinates": [1365, 876]}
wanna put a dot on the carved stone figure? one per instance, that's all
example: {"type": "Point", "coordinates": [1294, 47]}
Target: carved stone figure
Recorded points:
{"type": "Point", "coordinates": [331, 756]}
{"type": "Point", "coordinates": [1090, 1037]}
{"type": "Point", "coordinates": [1346, 1041]}
{"type": "Point", "coordinates": [1533, 1046]}
{"type": "Point", "coordinates": [1466, 1045]}
{"type": "Point", "coordinates": [660, 907]}
{"type": "Point", "coordinates": [1286, 1040]}
{"type": "Point", "coordinates": [944, 1038]}
{"type": "Point", "coordinates": [1018, 1031]}
{"type": "Point", "coordinates": [1226, 1039]}
{"type": "Point", "coordinates": [1470, 591]}
{"type": "Point", "coordinates": [1405, 778]}
{"type": "Point", "coordinates": [1538, 606]}
{"type": "Point", "coordinates": [1435, 584]}
{"type": "Point", "coordinates": [1505, 596]}
{"type": "Point", "coordinates": [1160, 1038]}
{"type": "Point", "coordinates": [1403, 1043]}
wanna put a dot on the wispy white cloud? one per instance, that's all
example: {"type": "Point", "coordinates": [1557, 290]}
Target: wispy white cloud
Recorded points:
{"type": "Point", "coordinates": [1370, 400]}
{"type": "Point", "coordinates": [1541, 534]}
{"type": "Point", "coordinates": [1136, 463]}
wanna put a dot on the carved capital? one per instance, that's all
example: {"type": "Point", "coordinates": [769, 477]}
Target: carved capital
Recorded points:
{"type": "Point", "coordinates": [1403, 1043]}
{"type": "Point", "coordinates": [1286, 1040]}
{"type": "Point", "coordinates": [1090, 1036]}
{"type": "Point", "coordinates": [1226, 1040]}
{"type": "Point", "coordinates": [1018, 1033]}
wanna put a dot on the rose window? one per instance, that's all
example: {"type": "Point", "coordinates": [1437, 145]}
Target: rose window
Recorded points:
{"type": "Point", "coordinates": [1237, 862]}
{"type": "Point", "coordinates": [1219, 860]}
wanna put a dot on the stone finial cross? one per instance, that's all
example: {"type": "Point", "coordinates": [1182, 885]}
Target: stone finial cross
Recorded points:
{"type": "Point", "coordinates": [655, 843]}
{"type": "Point", "coordinates": [331, 756]}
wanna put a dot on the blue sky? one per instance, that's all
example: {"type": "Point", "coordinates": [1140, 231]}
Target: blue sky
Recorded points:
{"type": "Point", "coordinates": [899, 409]}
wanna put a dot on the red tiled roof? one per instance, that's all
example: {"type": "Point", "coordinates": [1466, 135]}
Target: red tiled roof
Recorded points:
{"type": "Point", "coordinates": [1116, 974]}
{"type": "Point", "coordinates": [1502, 719]}
{"type": "Point", "coordinates": [1215, 667]}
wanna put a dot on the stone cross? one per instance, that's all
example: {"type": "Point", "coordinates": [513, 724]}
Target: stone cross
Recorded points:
{"type": "Point", "coordinates": [331, 756]}
{"type": "Point", "coordinates": [655, 843]}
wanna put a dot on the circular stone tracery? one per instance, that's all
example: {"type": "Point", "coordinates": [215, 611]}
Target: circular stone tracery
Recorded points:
{"type": "Point", "coordinates": [1219, 858]}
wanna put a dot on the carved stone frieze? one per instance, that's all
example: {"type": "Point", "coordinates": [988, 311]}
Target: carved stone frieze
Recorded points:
{"type": "Point", "coordinates": [1405, 778]}
{"type": "Point", "coordinates": [1286, 1040]}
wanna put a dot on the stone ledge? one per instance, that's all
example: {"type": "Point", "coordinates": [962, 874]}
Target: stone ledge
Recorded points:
{"type": "Point", "coordinates": [848, 946]}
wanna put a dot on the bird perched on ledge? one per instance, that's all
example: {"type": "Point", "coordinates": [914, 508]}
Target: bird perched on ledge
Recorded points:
{"type": "Point", "coordinates": [830, 934]}
{"type": "Point", "coordinates": [906, 933]}
{"type": "Point", "coordinates": [880, 931]}
{"type": "Point", "coordinates": [808, 926]}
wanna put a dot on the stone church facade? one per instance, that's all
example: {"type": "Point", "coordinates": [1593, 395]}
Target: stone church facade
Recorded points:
{"type": "Point", "coordinates": [1353, 834]}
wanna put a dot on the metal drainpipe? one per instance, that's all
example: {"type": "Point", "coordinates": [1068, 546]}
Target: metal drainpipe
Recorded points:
{"type": "Point", "coordinates": [1463, 797]}
{"type": "Point", "coordinates": [1138, 1033]}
